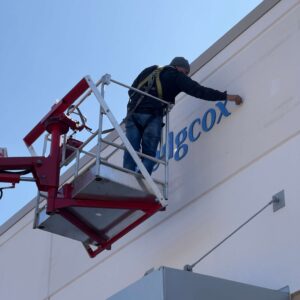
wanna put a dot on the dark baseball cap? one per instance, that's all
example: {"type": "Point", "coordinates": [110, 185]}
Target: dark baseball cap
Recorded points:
{"type": "Point", "coordinates": [180, 62]}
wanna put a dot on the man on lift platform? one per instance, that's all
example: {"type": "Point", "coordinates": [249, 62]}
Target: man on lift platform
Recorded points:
{"type": "Point", "coordinates": [145, 115]}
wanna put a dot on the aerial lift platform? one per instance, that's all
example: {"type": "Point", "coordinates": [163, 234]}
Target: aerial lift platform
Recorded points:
{"type": "Point", "coordinates": [99, 202]}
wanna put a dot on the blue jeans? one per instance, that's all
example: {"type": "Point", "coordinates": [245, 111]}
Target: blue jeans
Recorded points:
{"type": "Point", "coordinates": [142, 130]}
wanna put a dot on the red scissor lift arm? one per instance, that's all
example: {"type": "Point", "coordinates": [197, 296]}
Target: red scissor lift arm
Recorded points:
{"type": "Point", "coordinates": [68, 207]}
{"type": "Point", "coordinates": [45, 170]}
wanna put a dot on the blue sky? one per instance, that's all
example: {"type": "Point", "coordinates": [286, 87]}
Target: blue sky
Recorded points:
{"type": "Point", "coordinates": [48, 46]}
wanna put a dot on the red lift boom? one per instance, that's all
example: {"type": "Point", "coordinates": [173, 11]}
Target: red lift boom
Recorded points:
{"type": "Point", "coordinates": [100, 203]}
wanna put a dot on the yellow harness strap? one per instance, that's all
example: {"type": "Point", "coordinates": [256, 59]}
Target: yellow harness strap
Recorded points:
{"type": "Point", "coordinates": [158, 83]}
{"type": "Point", "coordinates": [150, 79]}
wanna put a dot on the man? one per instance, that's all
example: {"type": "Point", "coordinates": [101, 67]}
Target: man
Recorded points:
{"type": "Point", "coordinates": [144, 117]}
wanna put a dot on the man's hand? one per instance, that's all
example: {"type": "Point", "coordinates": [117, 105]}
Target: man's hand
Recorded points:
{"type": "Point", "coordinates": [235, 98]}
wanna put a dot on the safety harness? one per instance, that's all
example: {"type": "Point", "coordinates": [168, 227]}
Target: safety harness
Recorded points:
{"type": "Point", "coordinates": [150, 80]}
{"type": "Point", "coordinates": [145, 85]}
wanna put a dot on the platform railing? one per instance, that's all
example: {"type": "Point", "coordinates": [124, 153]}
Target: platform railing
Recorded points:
{"type": "Point", "coordinates": [98, 90]}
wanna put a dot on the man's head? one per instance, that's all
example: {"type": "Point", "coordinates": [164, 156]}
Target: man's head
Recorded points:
{"type": "Point", "coordinates": [181, 64]}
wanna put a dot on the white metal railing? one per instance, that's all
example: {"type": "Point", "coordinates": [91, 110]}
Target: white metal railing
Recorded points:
{"type": "Point", "coordinates": [98, 90]}
{"type": "Point", "coordinates": [104, 109]}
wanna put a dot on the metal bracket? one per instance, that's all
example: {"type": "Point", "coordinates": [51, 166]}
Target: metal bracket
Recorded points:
{"type": "Point", "coordinates": [278, 201]}
{"type": "Point", "coordinates": [188, 268]}
{"type": "Point", "coordinates": [106, 79]}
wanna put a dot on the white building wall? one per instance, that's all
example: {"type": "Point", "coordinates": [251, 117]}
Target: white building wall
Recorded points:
{"type": "Point", "coordinates": [227, 175]}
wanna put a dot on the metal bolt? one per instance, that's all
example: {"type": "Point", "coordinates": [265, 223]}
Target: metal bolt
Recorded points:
{"type": "Point", "coordinates": [39, 162]}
